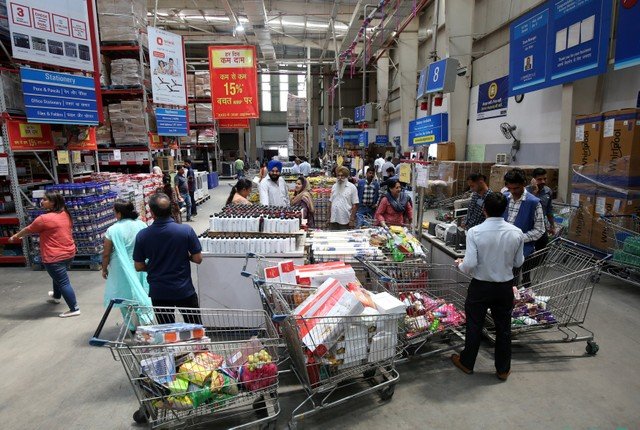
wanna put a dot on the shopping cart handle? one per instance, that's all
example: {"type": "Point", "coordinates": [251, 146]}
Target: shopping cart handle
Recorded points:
{"type": "Point", "coordinates": [246, 273]}
{"type": "Point", "coordinates": [278, 318]}
{"type": "Point", "coordinates": [95, 339]}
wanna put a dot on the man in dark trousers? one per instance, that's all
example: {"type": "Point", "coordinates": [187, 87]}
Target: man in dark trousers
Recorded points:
{"type": "Point", "coordinates": [191, 180]}
{"type": "Point", "coordinates": [165, 251]}
{"type": "Point", "coordinates": [494, 248]}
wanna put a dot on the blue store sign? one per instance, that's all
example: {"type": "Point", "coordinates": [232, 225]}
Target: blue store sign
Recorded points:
{"type": "Point", "coordinates": [172, 122]}
{"type": "Point", "coordinates": [493, 98]}
{"type": "Point", "coordinates": [363, 139]}
{"type": "Point", "coordinates": [428, 130]}
{"type": "Point", "coordinates": [360, 113]}
{"type": "Point", "coordinates": [59, 98]}
{"type": "Point", "coordinates": [627, 38]}
{"type": "Point", "coordinates": [382, 139]}
{"type": "Point", "coordinates": [557, 42]}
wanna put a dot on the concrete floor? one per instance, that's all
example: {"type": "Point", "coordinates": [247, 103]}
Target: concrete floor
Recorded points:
{"type": "Point", "coordinates": [51, 377]}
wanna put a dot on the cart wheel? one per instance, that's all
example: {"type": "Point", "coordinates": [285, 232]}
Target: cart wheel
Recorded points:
{"type": "Point", "coordinates": [387, 392]}
{"type": "Point", "coordinates": [592, 347]}
{"type": "Point", "coordinates": [140, 416]}
{"type": "Point", "coordinates": [369, 373]}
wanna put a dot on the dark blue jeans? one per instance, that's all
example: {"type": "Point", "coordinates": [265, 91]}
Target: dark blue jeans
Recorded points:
{"type": "Point", "coordinates": [61, 283]}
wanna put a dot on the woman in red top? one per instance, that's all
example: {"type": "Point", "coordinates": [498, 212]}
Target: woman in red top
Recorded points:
{"type": "Point", "coordinates": [56, 247]}
{"type": "Point", "coordinates": [395, 208]}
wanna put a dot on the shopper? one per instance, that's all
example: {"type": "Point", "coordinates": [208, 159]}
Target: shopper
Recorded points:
{"type": "Point", "coordinates": [173, 195]}
{"type": "Point", "coordinates": [540, 189]}
{"type": "Point", "coordinates": [368, 195]}
{"type": "Point", "coordinates": [396, 207]}
{"type": "Point", "coordinates": [191, 181]}
{"type": "Point", "coordinates": [386, 169]}
{"type": "Point", "coordinates": [164, 250]}
{"type": "Point", "coordinates": [263, 171]}
{"type": "Point", "coordinates": [343, 203]}
{"type": "Point", "coordinates": [295, 169]}
{"type": "Point", "coordinates": [305, 167]}
{"type": "Point", "coordinates": [378, 165]}
{"type": "Point", "coordinates": [302, 197]}
{"type": "Point", "coordinates": [494, 249]}
{"type": "Point", "coordinates": [156, 170]}
{"type": "Point", "coordinates": [57, 248]}
{"type": "Point", "coordinates": [478, 184]}
{"type": "Point", "coordinates": [273, 189]}
{"type": "Point", "coordinates": [117, 263]}
{"type": "Point", "coordinates": [239, 192]}
{"type": "Point", "coordinates": [182, 190]}
{"type": "Point", "coordinates": [239, 165]}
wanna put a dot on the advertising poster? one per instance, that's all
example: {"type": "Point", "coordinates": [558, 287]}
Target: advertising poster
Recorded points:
{"type": "Point", "coordinates": [87, 142]}
{"type": "Point", "coordinates": [52, 32]}
{"type": "Point", "coordinates": [493, 98]}
{"type": "Point", "coordinates": [167, 67]}
{"type": "Point", "coordinates": [28, 137]}
{"type": "Point", "coordinates": [627, 38]}
{"type": "Point", "coordinates": [234, 82]}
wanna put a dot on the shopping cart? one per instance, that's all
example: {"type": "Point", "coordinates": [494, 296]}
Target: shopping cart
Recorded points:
{"type": "Point", "coordinates": [563, 214]}
{"type": "Point", "coordinates": [211, 379]}
{"type": "Point", "coordinates": [623, 232]}
{"type": "Point", "coordinates": [435, 293]}
{"type": "Point", "coordinates": [554, 289]}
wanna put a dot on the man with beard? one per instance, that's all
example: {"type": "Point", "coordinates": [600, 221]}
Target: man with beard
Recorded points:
{"type": "Point", "coordinates": [273, 189]}
{"type": "Point", "coordinates": [344, 201]}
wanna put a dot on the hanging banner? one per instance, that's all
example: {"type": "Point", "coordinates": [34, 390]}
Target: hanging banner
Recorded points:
{"type": "Point", "coordinates": [493, 98]}
{"type": "Point", "coordinates": [627, 40]}
{"type": "Point", "coordinates": [233, 123]}
{"type": "Point", "coordinates": [28, 137]}
{"type": "Point", "coordinates": [557, 42]}
{"type": "Point", "coordinates": [168, 77]}
{"type": "Point", "coordinates": [54, 32]}
{"type": "Point", "coordinates": [88, 143]}
{"type": "Point", "coordinates": [234, 82]}
{"type": "Point", "coordinates": [155, 142]}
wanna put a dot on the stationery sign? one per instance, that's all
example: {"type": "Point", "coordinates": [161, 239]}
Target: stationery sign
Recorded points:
{"type": "Point", "coordinates": [627, 39]}
{"type": "Point", "coordinates": [234, 82]}
{"type": "Point", "coordinates": [59, 98]}
{"type": "Point", "coordinates": [557, 42]}
{"type": "Point", "coordinates": [54, 32]}
{"type": "Point", "coordinates": [29, 137]}
{"type": "Point", "coordinates": [493, 98]}
{"type": "Point", "coordinates": [172, 122]}
{"type": "Point", "coordinates": [428, 130]}
{"type": "Point", "coordinates": [167, 67]}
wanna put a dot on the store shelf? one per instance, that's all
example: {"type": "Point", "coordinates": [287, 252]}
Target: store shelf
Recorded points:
{"type": "Point", "coordinates": [5, 241]}
{"type": "Point", "coordinates": [123, 92]}
{"type": "Point", "coordinates": [9, 219]}
{"type": "Point", "coordinates": [124, 163]}
{"type": "Point", "coordinates": [35, 184]}
{"type": "Point", "coordinates": [88, 172]}
{"type": "Point", "coordinates": [124, 148]}
{"type": "Point", "coordinates": [12, 260]}
{"type": "Point", "coordinates": [120, 48]}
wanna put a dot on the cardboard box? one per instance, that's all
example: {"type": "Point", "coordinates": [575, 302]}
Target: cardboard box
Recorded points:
{"type": "Point", "coordinates": [455, 173]}
{"type": "Point", "coordinates": [446, 151]}
{"type": "Point", "coordinates": [620, 149]}
{"type": "Point", "coordinates": [586, 147]}
{"type": "Point", "coordinates": [581, 224]}
{"type": "Point", "coordinates": [610, 202]}
{"type": "Point", "coordinates": [496, 178]}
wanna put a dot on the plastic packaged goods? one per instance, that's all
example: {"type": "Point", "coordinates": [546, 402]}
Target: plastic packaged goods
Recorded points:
{"type": "Point", "coordinates": [126, 71]}
{"type": "Point", "coordinates": [122, 20]}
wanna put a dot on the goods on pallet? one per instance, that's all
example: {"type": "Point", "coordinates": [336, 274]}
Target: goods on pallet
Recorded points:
{"type": "Point", "coordinates": [12, 91]}
{"type": "Point", "coordinates": [263, 219]}
{"type": "Point", "coordinates": [296, 110]}
{"type": "Point", "coordinates": [202, 85]}
{"type": "Point", "coordinates": [126, 72]}
{"type": "Point", "coordinates": [203, 113]}
{"type": "Point", "coordinates": [207, 136]}
{"type": "Point", "coordinates": [103, 132]}
{"type": "Point", "coordinates": [619, 161]}
{"type": "Point", "coordinates": [122, 20]}
{"type": "Point", "coordinates": [135, 188]}
{"type": "Point", "coordinates": [127, 122]}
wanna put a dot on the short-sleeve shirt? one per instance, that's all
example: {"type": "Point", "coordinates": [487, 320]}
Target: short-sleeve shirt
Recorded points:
{"type": "Point", "coordinates": [343, 197]}
{"type": "Point", "coordinates": [56, 236]}
{"type": "Point", "coordinates": [239, 165]}
{"type": "Point", "coordinates": [181, 182]}
{"type": "Point", "coordinates": [165, 246]}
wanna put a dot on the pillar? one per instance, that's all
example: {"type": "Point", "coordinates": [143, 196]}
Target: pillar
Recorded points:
{"type": "Point", "coordinates": [382, 84]}
{"type": "Point", "coordinates": [253, 144]}
{"type": "Point", "coordinates": [408, 70]}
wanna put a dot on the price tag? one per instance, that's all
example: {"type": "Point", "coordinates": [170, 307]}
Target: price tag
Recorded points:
{"type": "Point", "coordinates": [76, 157]}
{"type": "Point", "coordinates": [117, 156]}
{"type": "Point", "coordinates": [63, 157]}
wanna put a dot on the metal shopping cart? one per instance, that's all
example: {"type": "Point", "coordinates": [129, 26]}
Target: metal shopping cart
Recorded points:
{"type": "Point", "coordinates": [554, 288]}
{"type": "Point", "coordinates": [435, 294]}
{"type": "Point", "coordinates": [563, 214]}
{"type": "Point", "coordinates": [623, 232]}
{"type": "Point", "coordinates": [211, 379]}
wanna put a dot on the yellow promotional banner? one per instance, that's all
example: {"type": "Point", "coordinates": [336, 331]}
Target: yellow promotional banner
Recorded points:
{"type": "Point", "coordinates": [405, 173]}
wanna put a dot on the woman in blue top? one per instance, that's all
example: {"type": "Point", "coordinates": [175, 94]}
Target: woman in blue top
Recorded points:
{"type": "Point", "coordinates": [123, 281]}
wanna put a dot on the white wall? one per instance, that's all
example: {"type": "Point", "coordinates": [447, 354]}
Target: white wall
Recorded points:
{"type": "Point", "coordinates": [621, 89]}
{"type": "Point", "coordinates": [271, 133]}
{"type": "Point", "coordinates": [395, 128]}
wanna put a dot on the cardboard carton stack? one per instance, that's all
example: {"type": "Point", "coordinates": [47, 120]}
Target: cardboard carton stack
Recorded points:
{"type": "Point", "coordinates": [202, 85]}
{"type": "Point", "coordinates": [122, 20]}
{"type": "Point", "coordinates": [203, 113]}
{"type": "Point", "coordinates": [127, 122]}
{"type": "Point", "coordinates": [455, 173]}
{"type": "Point", "coordinates": [446, 151]}
{"type": "Point", "coordinates": [496, 179]}
{"type": "Point", "coordinates": [103, 132]}
{"type": "Point", "coordinates": [606, 178]}
{"type": "Point", "coordinates": [126, 71]}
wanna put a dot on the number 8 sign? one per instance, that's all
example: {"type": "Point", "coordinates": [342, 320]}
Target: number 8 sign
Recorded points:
{"type": "Point", "coordinates": [442, 76]}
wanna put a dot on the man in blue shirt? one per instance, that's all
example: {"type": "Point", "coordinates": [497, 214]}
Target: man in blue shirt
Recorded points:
{"type": "Point", "coordinates": [368, 194]}
{"type": "Point", "coordinates": [191, 180]}
{"type": "Point", "coordinates": [478, 184]}
{"type": "Point", "coordinates": [165, 250]}
{"type": "Point", "coordinates": [494, 249]}
{"type": "Point", "coordinates": [539, 189]}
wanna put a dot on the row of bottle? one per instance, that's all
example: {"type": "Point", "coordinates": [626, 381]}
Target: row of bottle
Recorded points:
{"type": "Point", "coordinates": [243, 245]}
{"type": "Point", "coordinates": [252, 210]}
{"type": "Point", "coordinates": [254, 224]}
{"type": "Point", "coordinates": [80, 189]}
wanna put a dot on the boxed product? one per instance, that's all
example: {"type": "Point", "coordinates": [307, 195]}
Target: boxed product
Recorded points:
{"type": "Point", "coordinates": [620, 149]}
{"type": "Point", "coordinates": [446, 151]}
{"type": "Point", "coordinates": [496, 178]}
{"type": "Point", "coordinates": [316, 274]}
{"type": "Point", "coordinates": [126, 71]}
{"type": "Point", "coordinates": [586, 147]}
{"type": "Point", "coordinates": [583, 196]}
{"type": "Point", "coordinates": [122, 20]}
{"type": "Point", "coordinates": [383, 346]}
{"type": "Point", "coordinates": [455, 173]}
{"type": "Point", "coordinates": [203, 113]}
{"type": "Point", "coordinates": [610, 202]}
{"type": "Point", "coordinates": [168, 333]}
{"type": "Point", "coordinates": [352, 348]}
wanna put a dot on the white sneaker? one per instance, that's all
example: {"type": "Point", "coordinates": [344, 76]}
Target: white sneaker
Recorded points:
{"type": "Point", "coordinates": [68, 314]}
{"type": "Point", "coordinates": [52, 299]}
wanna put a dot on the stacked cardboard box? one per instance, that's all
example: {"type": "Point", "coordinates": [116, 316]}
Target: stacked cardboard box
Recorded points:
{"type": "Point", "coordinates": [127, 122]}
{"type": "Point", "coordinates": [496, 179]}
{"type": "Point", "coordinates": [446, 151]}
{"type": "Point", "coordinates": [620, 149]}
{"type": "Point", "coordinates": [126, 71]}
{"type": "Point", "coordinates": [455, 173]}
{"type": "Point", "coordinates": [122, 20]}
{"type": "Point", "coordinates": [103, 132]}
{"type": "Point", "coordinates": [204, 113]}
{"type": "Point", "coordinates": [202, 85]}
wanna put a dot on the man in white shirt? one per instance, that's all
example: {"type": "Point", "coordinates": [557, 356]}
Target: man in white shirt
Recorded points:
{"type": "Point", "coordinates": [388, 164]}
{"type": "Point", "coordinates": [343, 202]}
{"type": "Point", "coordinates": [273, 189]}
{"type": "Point", "coordinates": [295, 170]}
{"type": "Point", "coordinates": [305, 167]}
{"type": "Point", "coordinates": [494, 249]}
{"type": "Point", "coordinates": [378, 165]}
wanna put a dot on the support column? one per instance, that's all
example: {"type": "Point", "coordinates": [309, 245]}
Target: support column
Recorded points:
{"type": "Point", "coordinates": [382, 85]}
{"type": "Point", "coordinates": [241, 152]}
{"type": "Point", "coordinates": [315, 116]}
{"type": "Point", "coordinates": [459, 25]}
{"type": "Point", "coordinates": [326, 108]}
{"type": "Point", "coordinates": [408, 69]}
{"type": "Point", "coordinates": [253, 146]}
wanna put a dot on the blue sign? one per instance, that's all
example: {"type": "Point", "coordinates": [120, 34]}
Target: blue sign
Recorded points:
{"type": "Point", "coordinates": [428, 130]}
{"type": "Point", "coordinates": [360, 113]}
{"type": "Point", "coordinates": [382, 139]}
{"type": "Point", "coordinates": [172, 122]}
{"type": "Point", "coordinates": [59, 98]}
{"type": "Point", "coordinates": [627, 40]}
{"type": "Point", "coordinates": [557, 42]}
{"type": "Point", "coordinates": [493, 98]}
{"type": "Point", "coordinates": [363, 139]}
{"type": "Point", "coordinates": [436, 75]}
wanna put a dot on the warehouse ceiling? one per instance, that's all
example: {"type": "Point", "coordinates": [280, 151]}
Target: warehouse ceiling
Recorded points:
{"type": "Point", "coordinates": [288, 33]}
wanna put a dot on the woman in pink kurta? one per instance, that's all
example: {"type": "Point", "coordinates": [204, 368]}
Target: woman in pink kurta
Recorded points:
{"type": "Point", "coordinates": [395, 208]}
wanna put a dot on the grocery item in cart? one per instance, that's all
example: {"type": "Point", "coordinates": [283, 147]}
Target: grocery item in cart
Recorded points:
{"type": "Point", "coordinates": [168, 333]}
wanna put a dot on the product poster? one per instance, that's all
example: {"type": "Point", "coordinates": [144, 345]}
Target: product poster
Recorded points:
{"type": "Point", "coordinates": [87, 141]}
{"type": "Point", "coordinates": [167, 67]}
{"type": "Point", "coordinates": [234, 82]}
{"type": "Point", "coordinates": [52, 32]}
{"type": "Point", "coordinates": [627, 38]}
{"type": "Point", "coordinates": [28, 137]}
{"type": "Point", "coordinates": [63, 157]}
{"type": "Point", "coordinates": [493, 98]}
